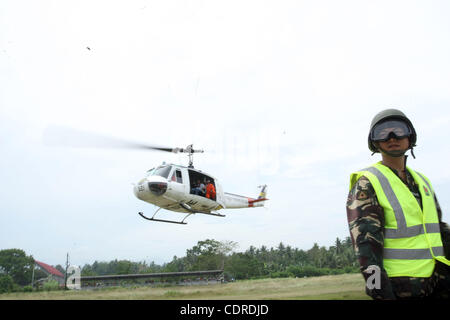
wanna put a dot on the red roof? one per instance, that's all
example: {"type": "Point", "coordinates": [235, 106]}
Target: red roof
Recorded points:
{"type": "Point", "coordinates": [49, 269]}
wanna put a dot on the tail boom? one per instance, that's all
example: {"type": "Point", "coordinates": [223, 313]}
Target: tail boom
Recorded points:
{"type": "Point", "coordinates": [237, 201]}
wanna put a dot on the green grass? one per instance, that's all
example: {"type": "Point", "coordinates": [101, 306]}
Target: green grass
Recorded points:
{"type": "Point", "coordinates": [336, 287]}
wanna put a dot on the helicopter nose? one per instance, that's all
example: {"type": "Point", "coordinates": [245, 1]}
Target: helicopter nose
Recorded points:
{"type": "Point", "coordinates": [148, 188]}
{"type": "Point", "coordinates": [157, 188]}
{"type": "Point", "coordinates": [139, 191]}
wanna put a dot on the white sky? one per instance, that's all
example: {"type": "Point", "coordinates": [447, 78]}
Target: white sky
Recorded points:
{"type": "Point", "coordinates": [275, 92]}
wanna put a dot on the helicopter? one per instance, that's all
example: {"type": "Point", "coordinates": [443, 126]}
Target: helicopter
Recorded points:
{"type": "Point", "coordinates": [168, 186]}
{"type": "Point", "coordinates": [185, 189]}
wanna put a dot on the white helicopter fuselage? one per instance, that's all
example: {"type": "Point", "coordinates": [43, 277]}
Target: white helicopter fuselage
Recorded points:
{"type": "Point", "coordinates": [172, 187]}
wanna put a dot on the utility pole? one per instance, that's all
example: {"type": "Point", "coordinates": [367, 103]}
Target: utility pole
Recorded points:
{"type": "Point", "coordinates": [32, 275]}
{"type": "Point", "coordinates": [65, 275]}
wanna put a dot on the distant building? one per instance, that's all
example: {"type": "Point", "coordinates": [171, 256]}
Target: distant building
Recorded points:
{"type": "Point", "coordinates": [51, 272]}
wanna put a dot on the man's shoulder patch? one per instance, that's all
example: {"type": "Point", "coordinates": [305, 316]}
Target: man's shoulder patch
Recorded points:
{"type": "Point", "coordinates": [362, 195]}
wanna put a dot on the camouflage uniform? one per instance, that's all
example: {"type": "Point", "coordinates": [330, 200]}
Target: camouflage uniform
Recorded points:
{"type": "Point", "coordinates": [366, 222]}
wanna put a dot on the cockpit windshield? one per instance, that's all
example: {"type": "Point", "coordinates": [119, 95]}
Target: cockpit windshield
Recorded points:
{"type": "Point", "coordinates": [162, 171]}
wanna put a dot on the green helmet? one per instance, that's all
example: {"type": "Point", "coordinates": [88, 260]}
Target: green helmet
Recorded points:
{"type": "Point", "coordinates": [392, 114]}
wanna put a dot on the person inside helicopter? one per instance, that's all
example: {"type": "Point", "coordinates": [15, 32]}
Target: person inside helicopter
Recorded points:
{"type": "Point", "coordinates": [210, 190]}
{"type": "Point", "coordinates": [199, 189]}
{"type": "Point", "coordinates": [195, 188]}
{"type": "Point", "coordinates": [202, 189]}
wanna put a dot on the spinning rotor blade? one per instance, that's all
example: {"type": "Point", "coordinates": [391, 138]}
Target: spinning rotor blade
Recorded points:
{"type": "Point", "coordinates": [68, 137]}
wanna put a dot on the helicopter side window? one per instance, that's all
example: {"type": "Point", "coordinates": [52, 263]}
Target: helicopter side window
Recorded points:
{"type": "Point", "coordinates": [162, 171]}
{"type": "Point", "coordinates": [177, 176]}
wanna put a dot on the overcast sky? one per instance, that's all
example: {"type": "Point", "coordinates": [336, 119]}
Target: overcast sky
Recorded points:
{"type": "Point", "coordinates": [276, 92]}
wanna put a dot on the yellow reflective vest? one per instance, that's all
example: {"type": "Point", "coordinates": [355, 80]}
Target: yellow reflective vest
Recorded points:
{"type": "Point", "coordinates": [412, 239]}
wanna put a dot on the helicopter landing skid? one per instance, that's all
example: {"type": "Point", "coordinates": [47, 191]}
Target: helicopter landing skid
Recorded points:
{"type": "Point", "coordinates": [161, 220]}
{"type": "Point", "coordinates": [187, 208]}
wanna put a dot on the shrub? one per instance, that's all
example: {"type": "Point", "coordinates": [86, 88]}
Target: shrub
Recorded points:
{"type": "Point", "coordinates": [281, 274]}
{"type": "Point", "coordinates": [349, 269]}
{"type": "Point", "coordinates": [51, 285]}
{"type": "Point", "coordinates": [6, 283]}
{"type": "Point", "coordinates": [27, 289]}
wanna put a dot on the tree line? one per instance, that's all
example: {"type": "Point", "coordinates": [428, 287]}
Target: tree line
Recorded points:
{"type": "Point", "coordinates": [281, 261]}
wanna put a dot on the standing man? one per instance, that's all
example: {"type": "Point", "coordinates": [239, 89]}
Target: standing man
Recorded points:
{"type": "Point", "coordinates": [395, 219]}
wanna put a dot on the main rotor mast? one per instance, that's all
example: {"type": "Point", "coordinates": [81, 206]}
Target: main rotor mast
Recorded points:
{"type": "Point", "coordinates": [190, 151]}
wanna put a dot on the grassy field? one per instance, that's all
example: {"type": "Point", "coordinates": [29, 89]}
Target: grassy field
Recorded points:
{"type": "Point", "coordinates": [338, 287]}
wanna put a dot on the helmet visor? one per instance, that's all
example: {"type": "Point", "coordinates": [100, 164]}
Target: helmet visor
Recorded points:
{"type": "Point", "coordinates": [392, 128]}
